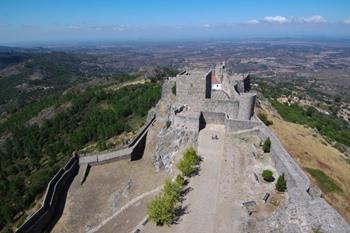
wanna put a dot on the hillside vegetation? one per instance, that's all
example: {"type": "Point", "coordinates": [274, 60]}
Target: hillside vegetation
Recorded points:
{"type": "Point", "coordinates": [31, 154]}
{"type": "Point", "coordinates": [330, 126]}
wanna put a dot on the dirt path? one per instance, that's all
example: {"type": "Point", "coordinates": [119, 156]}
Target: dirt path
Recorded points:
{"type": "Point", "coordinates": [108, 225]}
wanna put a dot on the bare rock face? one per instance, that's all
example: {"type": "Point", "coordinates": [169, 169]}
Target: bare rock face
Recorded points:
{"type": "Point", "coordinates": [169, 142]}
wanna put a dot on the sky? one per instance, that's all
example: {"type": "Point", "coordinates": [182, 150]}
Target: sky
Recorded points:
{"type": "Point", "coordinates": [86, 20]}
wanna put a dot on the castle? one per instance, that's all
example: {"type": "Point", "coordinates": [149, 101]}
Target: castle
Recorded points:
{"type": "Point", "coordinates": [201, 97]}
{"type": "Point", "coordinates": [216, 97]}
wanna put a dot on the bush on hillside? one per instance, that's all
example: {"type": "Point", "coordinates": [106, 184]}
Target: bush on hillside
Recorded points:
{"type": "Point", "coordinates": [263, 117]}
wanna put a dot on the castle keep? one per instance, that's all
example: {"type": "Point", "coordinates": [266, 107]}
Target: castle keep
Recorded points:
{"type": "Point", "coordinates": [212, 97]}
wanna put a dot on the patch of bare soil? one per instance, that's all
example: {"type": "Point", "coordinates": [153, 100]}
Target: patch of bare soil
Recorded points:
{"type": "Point", "coordinates": [12, 70]}
{"type": "Point", "coordinates": [311, 150]}
{"type": "Point", "coordinates": [48, 113]}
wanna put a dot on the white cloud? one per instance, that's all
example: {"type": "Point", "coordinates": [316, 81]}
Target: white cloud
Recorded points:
{"type": "Point", "coordinates": [253, 21]}
{"type": "Point", "coordinates": [276, 19]}
{"type": "Point", "coordinates": [290, 19]}
{"type": "Point", "coordinates": [346, 21]}
{"type": "Point", "coordinates": [315, 19]}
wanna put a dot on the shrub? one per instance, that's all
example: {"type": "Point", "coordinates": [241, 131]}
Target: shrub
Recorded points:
{"type": "Point", "coordinates": [281, 184]}
{"type": "Point", "coordinates": [191, 156]}
{"type": "Point", "coordinates": [168, 123]}
{"type": "Point", "coordinates": [173, 89]}
{"type": "Point", "coordinates": [268, 175]}
{"type": "Point", "coordinates": [180, 180]}
{"type": "Point", "coordinates": [187, 164]}
{"type": "Point", "coordinates": [185, 167]}
{"type": "Point", "coordinates": [172, 190]}
{"type": "Point", "coordinates": [161, 210]}
{"type": "Point", "coordinates": [267, 145]}
{"type": "Point", "coordinates": [263, 118]}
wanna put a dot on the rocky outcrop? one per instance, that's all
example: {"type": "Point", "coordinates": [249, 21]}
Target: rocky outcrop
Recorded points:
{"type": "Point", "coordinates": [169, 142]}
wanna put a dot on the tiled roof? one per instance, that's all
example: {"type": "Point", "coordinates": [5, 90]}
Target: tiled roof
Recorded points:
{"type": "Point", "coordinates": [214, 79]}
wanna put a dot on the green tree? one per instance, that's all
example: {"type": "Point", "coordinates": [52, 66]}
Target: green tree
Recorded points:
{"type": "Point", "coordinates": [172, 190]}
{"type": "Point", "coordinates": [185, 167]}
{"type": "Point", "coordinates": [268, 175]}
{"type": "Point", "coordinates": [191, 156]}
{"type": "Point", "coordinates": [161, 210]}
{"type": "Point", "coordinates": [267, 145]}
{"type": "Point", "coordinates": [187, 164]}
{"type": "Point", "coordinates": [180, 180]}
{"type": "Point", "coordinates": [281, 184]}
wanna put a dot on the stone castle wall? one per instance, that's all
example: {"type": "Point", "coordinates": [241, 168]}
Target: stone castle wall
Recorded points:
{"type": "Point", "coordinates": [127, 152]}
{"type": "Point", "coordinates": [246, 106]}
{"type": "Point", "coordinates": [236, 125]}
{"type": "Point", "coordinates": [300, 212]}
{"type": "Point", "coordinates": [190, 90]}
{"type": "Point", "coordinates": [53, 201]}
{"type": "Point", "coordinates": [228, 107]}
{"type": "Point", "coordinates": [214, 117]}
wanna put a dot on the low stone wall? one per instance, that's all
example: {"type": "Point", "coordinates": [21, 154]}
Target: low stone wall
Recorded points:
{"type": "Point", "coordinates": [131, 151]}
{"type": "Point", "coordinates": [236, 125]}
{"type": "Point", "coordinates": [230, 107]}
{"type": "Point", "coordinates": [51, 207]}
{"type": "Point", "coordinates": [214, 117]}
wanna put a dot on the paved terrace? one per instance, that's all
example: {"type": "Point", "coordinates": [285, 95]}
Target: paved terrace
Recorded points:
{"type": "Point", "coordinates": [225, 181]}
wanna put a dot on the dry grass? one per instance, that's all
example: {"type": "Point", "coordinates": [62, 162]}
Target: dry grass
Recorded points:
{"type": "Point", "coordinates": [312, 151]}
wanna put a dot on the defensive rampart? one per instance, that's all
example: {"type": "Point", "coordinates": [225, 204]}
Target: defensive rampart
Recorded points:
{"type": "Point", "coordinates": [53, 201]}
{"type": "Point", "coordinates": [133, 151]}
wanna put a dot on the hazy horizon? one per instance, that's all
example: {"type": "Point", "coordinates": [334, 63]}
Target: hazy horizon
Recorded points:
{"type": "Point", "coordinates": [24, 22]}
